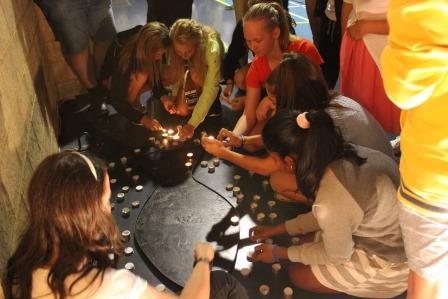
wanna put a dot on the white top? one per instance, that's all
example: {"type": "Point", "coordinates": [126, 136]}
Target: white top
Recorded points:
{"type": "Point", "coordinates": [370, 10]}
{"type": "Point", "coordinates": [117, 284]}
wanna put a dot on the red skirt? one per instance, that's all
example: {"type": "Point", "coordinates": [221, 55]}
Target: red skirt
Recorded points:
{"type": "Point", "coordinates": [361, 81]}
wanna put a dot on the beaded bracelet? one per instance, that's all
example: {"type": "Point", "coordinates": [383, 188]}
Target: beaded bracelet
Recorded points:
{"type": "Point", "coordinates": [274, 253]}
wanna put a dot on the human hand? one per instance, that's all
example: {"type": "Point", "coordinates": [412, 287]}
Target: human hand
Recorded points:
{"type": "Point", "coordinates": [265, 109]}
{"type": "Point", "coordinates": [261, 232]}
{"type": "Point", "coordinates": [356, 30]}
{"type": "Point", "coordinates": [213, 146]}
{"type": "Point", "coordinates": [204, 250]}
{"type": "Point", "coordinates": [236, 103]}
{"type": "Point", "coordinates": [263, 253]}
{"type": "Point", "coordinates": [186, 132]}
{"type": "Point", "coordinates": [227, 92]}
{"type": "Point", "coordinates": [150, 124]}
{"type": "Point", "coordinates": [229, 138]}
{"type": "Point", "coordinates": [169, 105]}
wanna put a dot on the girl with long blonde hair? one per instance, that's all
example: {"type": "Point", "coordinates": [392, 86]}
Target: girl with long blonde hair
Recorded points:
{"type": "Point", "coordinates": [138, 67]}
{"type": "Point", "coordinates": [197, 49]}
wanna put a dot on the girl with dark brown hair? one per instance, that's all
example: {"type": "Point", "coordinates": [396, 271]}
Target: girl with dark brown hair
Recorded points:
{"type": "Point", "coordinates": [71, 234]}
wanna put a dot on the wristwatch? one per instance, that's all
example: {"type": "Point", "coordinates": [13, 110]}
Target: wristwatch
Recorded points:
{"type": "Point", "coordinates": [204, 260]}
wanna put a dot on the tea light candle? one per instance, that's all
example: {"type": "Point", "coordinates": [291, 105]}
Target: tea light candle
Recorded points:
{"type": "Point", "coordinates": [139, 188]}
{"type": "Point", "coordinates": [261, 217]}
{"type": "Point", "coordinates": [276, 268]}
{"type": "Point", "coordinates": [170, 132]}
{"type": "Point", "coordinates": [128, 251]}
{"type": "Point", "coordinates": [256, 197]}
{"type": "Point", "coordinates": [236, 191]}
{"type": "Point", "coordinates": [135, 178]}
{"type": "Point", "coordinates": [229, 187]}
{"type": "Point", "coordinates": [287, 293]}
{"type": "Point", "coordinates": [164, 135]}
{"type": "Point", "coordinates": [264, 290]}
{"type": "Point", "coordinates": [135, 204]}
{"type": "Point", "coordinates": [129, 266]}
{"type": "Point", "coordinates": [125, 212]}
{"type": "Point", "coordinates": [271, 204]}
{"type": "Point", "coordinates": [240, 198]}
{"type": "Point", "coordinates": [125, 189]}
{"type": "Point", "coordinates": [272, 217]}
{"type": "Point", "coordinates": [234, 220]}
{"type": "Point", "coordinates": [124, 160]}
{"type": "Point", "coordinates": [111, 165]}
{"type": "Point", "coordinates": [245, 272]}
{"type": "Point", "coordinates": [190, 156]}
{"type": "Point", "coordinates": [137, 151]}
{"type": "Point", "coordinates": [253, 206]}
{"type": "Point", "coordinates": [188, 165]}
{"type": "Point", "coordinates": [128, 170]}
{"type": "Point", "coordinates": [126, 235]}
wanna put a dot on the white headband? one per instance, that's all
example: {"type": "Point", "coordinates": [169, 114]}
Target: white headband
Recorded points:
{"type": "Point", "coordinates": [89, 163]}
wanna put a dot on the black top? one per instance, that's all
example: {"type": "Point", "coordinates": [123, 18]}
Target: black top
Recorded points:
{"type": "Point", "coordinates": [120, 81]}
{"type": "Point", "coordinates": [236, 54]}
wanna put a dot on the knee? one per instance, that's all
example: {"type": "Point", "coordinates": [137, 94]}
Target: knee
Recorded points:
{"type": "Point", "coordinates": [240, 80]}
{"type": "Point", "coordinates": [298, 276]}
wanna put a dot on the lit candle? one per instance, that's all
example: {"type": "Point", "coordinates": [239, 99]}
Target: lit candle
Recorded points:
{"type": "Point", "coordinates": [211, 137]}
{"type": "Point", "coordinates": [164, 135]}
{"type": "Point", "coordinates": [165, 143]}
{"type": "Point", "coordinates": [170, 132]}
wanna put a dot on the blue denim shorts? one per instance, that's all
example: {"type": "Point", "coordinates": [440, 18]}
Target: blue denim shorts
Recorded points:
{"type": "Point", "coordinates": [75, 22]}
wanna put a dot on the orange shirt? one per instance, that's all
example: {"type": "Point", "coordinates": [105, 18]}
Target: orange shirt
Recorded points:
{"type": "Point", "coordinates": [259, 70]}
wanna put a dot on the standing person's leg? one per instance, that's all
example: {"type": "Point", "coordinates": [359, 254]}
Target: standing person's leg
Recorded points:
{"type": "Point", "coordinates": [103, 30]}
{"type": "Point", "coordinates": [313, 19]}
{"type": "Point", "coordinates": [168, 11]}
{"type": "Point", "coordinates": [240, 7]}
{"type": "Point", "coordinates": [69, 22]}
{"type": "Point", "coordinates": [426, 243]}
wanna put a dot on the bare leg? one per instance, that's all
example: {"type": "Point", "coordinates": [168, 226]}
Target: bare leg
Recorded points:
{"type": "Point", "coordinates": [99, 52]}
{"type": "Point", "coordinates": [79, 63]}
{"type": "Point", "coordinates": [302, 277]}
{"type": "Point", "coordinates": [418, 287]}
{"type": "Point", "coordinates": [314, 21]}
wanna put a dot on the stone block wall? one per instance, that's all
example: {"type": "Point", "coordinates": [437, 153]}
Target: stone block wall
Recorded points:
{"type": "Point", "coordinates": [28, 105]}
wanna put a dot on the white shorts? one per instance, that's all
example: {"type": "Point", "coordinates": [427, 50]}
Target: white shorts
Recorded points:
{"type": "Point", "coordinates": [425, 242]}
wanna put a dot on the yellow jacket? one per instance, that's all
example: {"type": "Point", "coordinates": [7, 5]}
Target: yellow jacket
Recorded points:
{"type": "Point", "coordinates": [415, 73]}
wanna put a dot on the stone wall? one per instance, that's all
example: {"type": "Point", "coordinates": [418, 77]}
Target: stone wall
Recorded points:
{"type": "Point", "coordinates": [28, 101]}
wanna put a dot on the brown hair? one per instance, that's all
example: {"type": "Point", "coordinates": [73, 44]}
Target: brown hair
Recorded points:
{"type": "Point", "coordinates": [275, 16]}
{"type": "Point", "coordinates": [185, 31]}
{"type": "Point", "coordinates": [138, 53]}
{"type": "Point", "coordinates": [68, 231]}
{"type": "Point", "coordinates": [298, 84]}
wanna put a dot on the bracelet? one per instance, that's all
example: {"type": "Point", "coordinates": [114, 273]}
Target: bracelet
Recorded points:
{"type": "Point", "coordinates": [274, 253]}
{"type": "Point", "coordinates": [204, 260]}
{"type": "Point", "coordinates": [243, 140]}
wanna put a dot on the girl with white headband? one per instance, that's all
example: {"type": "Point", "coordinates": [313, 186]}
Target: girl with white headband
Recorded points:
{"type": "Point", "coordinates": [64, 251]}
{"type": "Point", "coordinates": [355, 244]}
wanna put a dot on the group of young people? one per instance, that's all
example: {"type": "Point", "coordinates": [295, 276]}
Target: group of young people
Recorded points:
{"type": "Point", "coordinates": [323, 149]}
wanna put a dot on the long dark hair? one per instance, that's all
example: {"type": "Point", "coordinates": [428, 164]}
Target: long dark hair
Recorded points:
{"type": "Point", "coordinates": [69, 229]}
{"type": "Point", "coordinates": [298, 84]}
{"type": "Point", "coordinates": [315, 147]}
{"type": "Point", "coordinates": [138, 53]}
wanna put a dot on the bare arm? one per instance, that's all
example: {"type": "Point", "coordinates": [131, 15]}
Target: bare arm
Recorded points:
{"type": "Point", "coordinates": [136, 85]}
{"type": "Point", "coordinates": [264, 166]}
{"type": "Point", "coordinates": [346, 9]}
{"type": "Point", "coordinates": [376, 27]}
{"type": "Point", "coordinates": [248, 119]}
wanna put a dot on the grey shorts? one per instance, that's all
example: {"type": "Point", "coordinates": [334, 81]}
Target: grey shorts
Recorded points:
{"type": "Point", "coordinates": [75, 22]}
{"type": "Point", "coordinates": [426, 243]}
